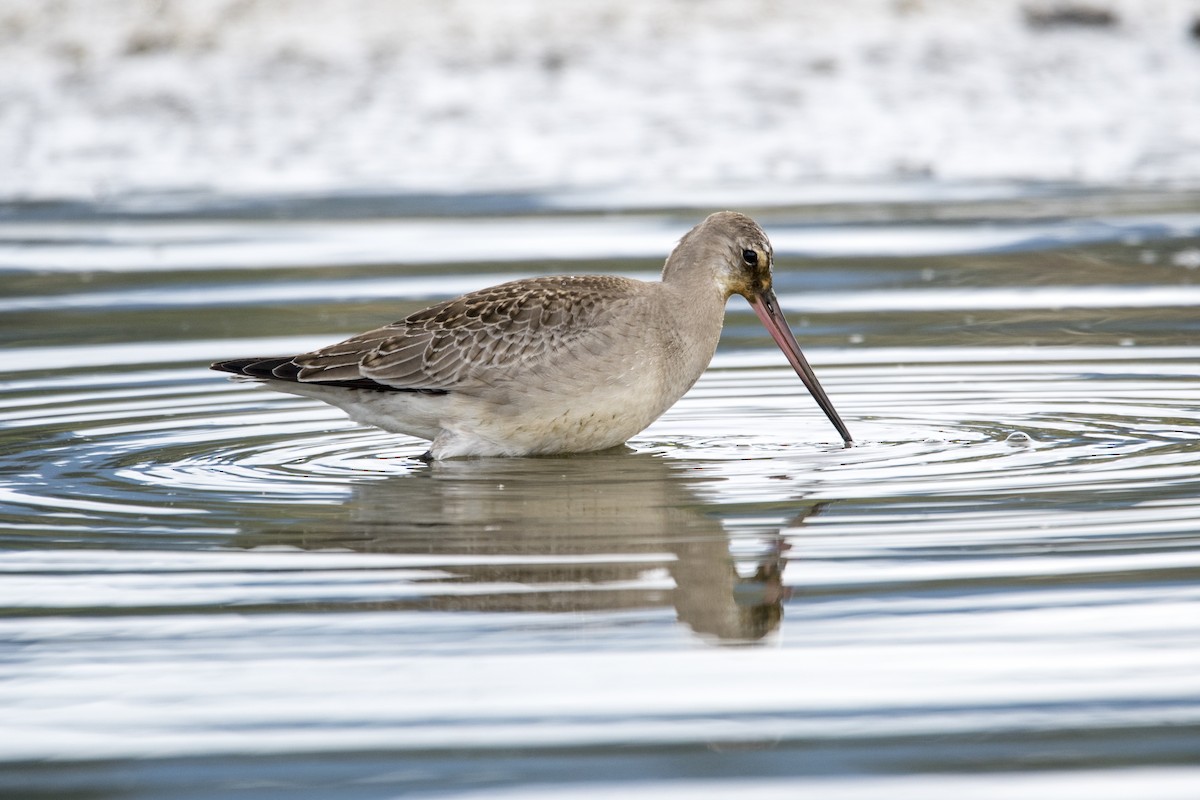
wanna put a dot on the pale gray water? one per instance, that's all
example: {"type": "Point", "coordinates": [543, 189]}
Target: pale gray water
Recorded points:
{"type": "Point", "coordinates": [211, 590]}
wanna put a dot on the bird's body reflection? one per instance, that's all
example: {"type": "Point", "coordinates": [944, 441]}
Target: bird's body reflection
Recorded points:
{"type": "Point", "coordinates": [604, 531]}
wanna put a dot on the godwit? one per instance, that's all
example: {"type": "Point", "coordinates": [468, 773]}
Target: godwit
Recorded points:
{"type": "Point", "coordinates": [564, 364]}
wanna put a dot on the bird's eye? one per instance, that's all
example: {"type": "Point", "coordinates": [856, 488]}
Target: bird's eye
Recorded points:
{"type": "Point", "coordinates": [750, 257]}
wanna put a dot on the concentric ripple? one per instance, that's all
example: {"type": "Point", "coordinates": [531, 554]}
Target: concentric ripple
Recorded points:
{"type": "Point", "coordinates": [1040, 427]}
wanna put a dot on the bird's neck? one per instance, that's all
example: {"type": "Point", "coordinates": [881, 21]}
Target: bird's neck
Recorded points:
{"type": "Point", "coordinates": [695, 270]}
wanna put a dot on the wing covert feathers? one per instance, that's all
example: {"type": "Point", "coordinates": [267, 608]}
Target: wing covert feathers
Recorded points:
{"type": "Point", "coordinates": [494, 334]}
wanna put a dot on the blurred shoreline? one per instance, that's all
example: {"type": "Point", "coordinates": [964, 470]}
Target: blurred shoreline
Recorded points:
{"type": "Point", "coordinates": [111, 99]}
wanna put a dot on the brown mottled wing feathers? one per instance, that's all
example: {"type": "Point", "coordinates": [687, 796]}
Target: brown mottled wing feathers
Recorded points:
{"type": "Point", "coordinates": [478, 339]}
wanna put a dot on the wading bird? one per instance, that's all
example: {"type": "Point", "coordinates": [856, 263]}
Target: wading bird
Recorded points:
{"type": "Point", "coordinates": [563, 364]}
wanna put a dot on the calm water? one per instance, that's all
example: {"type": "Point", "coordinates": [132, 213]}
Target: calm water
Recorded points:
{"type": "Point", "coordinates": [212, 590]}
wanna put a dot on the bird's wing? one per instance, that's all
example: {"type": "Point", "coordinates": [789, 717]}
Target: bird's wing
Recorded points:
{"type": "Point", "coordinates": [473, 341]}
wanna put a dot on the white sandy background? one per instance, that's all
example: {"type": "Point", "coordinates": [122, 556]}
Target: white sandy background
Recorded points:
{"type": "Point", "coordinates": [107, 97]}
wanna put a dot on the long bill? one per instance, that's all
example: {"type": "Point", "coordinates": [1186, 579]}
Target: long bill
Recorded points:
{"type": "Point", "coordinates": [766, 306]}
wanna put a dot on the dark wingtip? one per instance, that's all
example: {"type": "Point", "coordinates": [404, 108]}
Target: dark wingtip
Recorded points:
{"type": "Point", "coordinates": [286, 369]}
{"type": "Point", "coordinates": [265, 368]}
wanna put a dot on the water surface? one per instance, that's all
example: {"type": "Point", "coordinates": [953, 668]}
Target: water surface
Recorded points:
{"type": "Point", "coordinates": [213, 590]}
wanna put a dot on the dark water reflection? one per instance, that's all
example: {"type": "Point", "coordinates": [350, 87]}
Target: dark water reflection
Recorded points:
{"type": "Point", "coordinates": [604, 521]}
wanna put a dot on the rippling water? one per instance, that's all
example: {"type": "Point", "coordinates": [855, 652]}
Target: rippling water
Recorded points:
{"type": "Point", "coordinates": [209, 589]}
